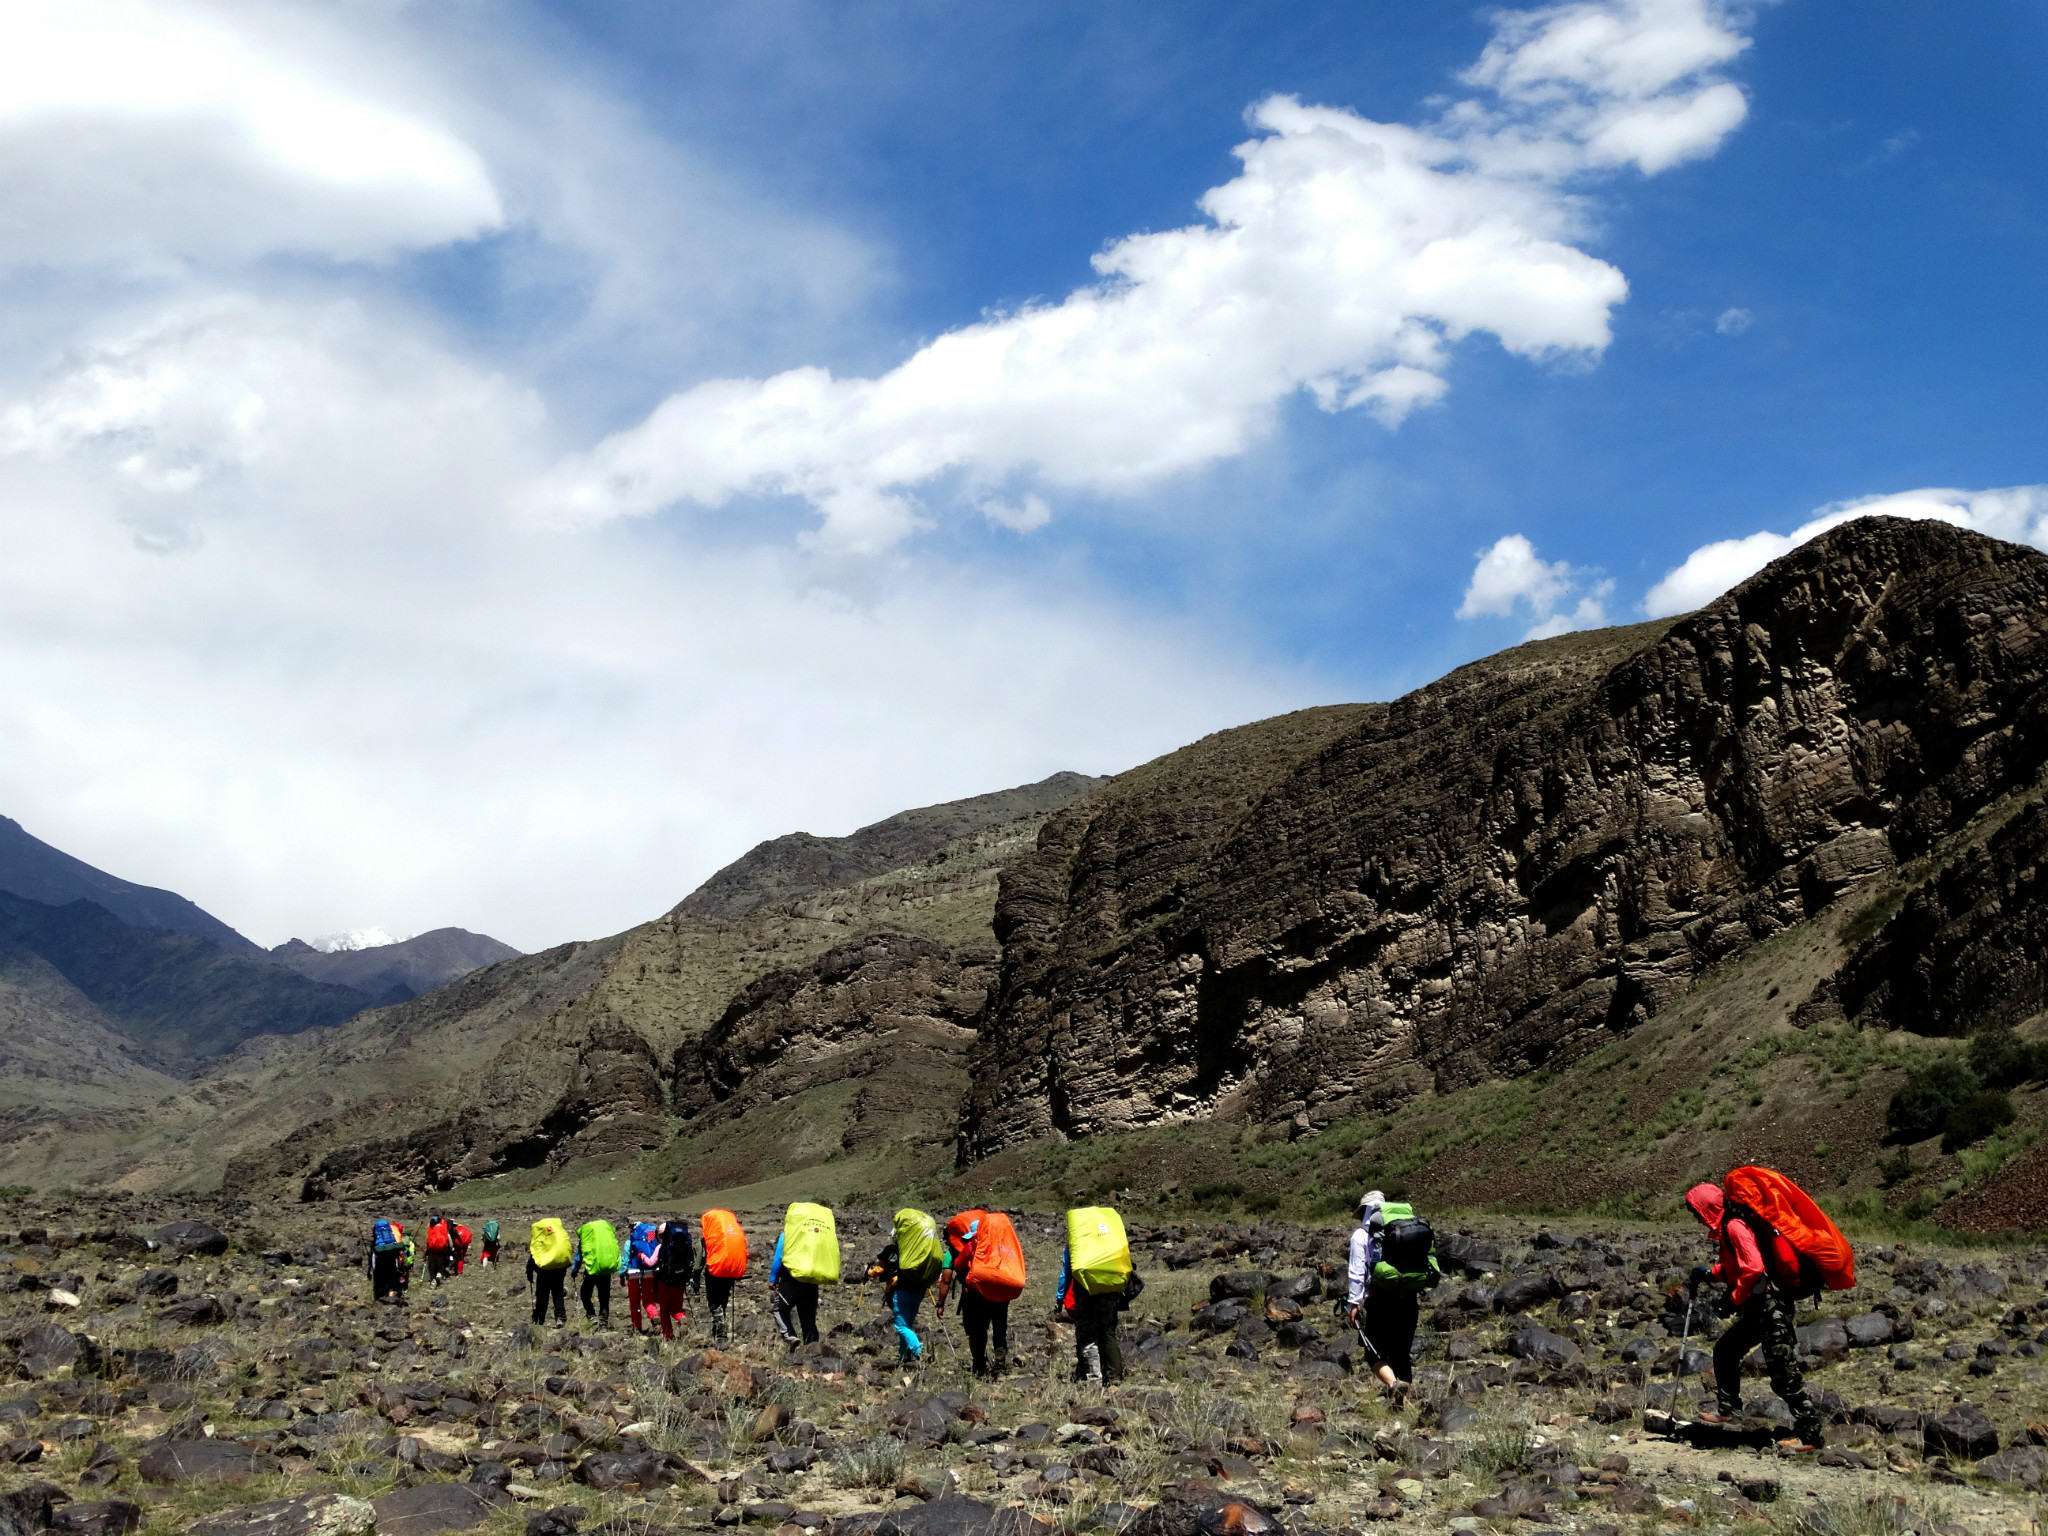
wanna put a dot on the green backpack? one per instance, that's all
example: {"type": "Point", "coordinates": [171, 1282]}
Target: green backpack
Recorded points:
{"type": "Point", "coordinates": [1407, 1258]}
{"type": "Point", "coordinates": [600, 1247]}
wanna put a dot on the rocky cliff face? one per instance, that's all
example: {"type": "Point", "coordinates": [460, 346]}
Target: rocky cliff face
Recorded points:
{"type": "Point", "coordinates": [887, 1021]}
{"type": "Point", "coordinates": [1967, 948]}
{"type": "Point", "coordinates": [613, 1108]}
{"type": "Point", "coordinates": [1510, 865]}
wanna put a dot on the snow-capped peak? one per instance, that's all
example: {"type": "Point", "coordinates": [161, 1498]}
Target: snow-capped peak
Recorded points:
{"type": "Point", "coordinates": [353, 938]}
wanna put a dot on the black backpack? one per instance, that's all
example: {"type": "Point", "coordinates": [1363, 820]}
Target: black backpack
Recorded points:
{"type": "Point", "coordinates": [1406, 1246]}
{"type": "Point", "coordinates": [678, 1260]}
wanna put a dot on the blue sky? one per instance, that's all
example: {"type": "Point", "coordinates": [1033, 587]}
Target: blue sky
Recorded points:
{"type": "Point", "coordinates": [493, 464]}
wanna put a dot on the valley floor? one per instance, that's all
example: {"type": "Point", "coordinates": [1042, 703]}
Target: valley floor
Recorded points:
{"type": "Point", "coordinates": [190, 1389]}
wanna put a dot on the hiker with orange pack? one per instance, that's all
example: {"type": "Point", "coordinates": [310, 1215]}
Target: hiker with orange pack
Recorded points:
{"type": "Point", "coordinates": [988, 1267]}
{"type": "Point", "coordinates": [1775, 1247]}
{"type": "Point", "coordinates": [725, 1265]}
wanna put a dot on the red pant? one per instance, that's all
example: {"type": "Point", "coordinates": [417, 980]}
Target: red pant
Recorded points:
{"type": "Point", "coordinates": [671, 1299]}
{"type": "Point", "coordinates": [640, 1293]}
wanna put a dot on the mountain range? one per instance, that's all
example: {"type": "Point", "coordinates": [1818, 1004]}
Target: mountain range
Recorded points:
{"type": "Point", "coordinates": [1571, 924]}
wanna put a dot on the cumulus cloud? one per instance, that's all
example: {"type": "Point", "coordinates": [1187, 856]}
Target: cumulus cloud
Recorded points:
{"type": "Point", "coordinates": [136, 131]}
{"type": "Point", "coordinates": [2016, 513]}
{"type": "Point", "coordinates": [1607, 83]}
{"type": "Point", "coordinates": [344, 685]}
{"type": "Point", "coordinates": [1556, 597]}
{"type": "Point", "coordinates": [1733, 321]}
{"type": "Point", "coordinates": [1345, 260]}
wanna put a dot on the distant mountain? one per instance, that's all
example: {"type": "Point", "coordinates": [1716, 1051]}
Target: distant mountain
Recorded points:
{"type": "Point", "coordinates": [352, 938]}
{"type": "Point", "coordinates": [182, 999]}
{"type": "Point", "coordinates": [800, 864]}
{"type": "Point", "coordinates": [394, 972]}
{"type": "Point", "coordinates": [33, 869]}
{"type": "Point", "coordinates": [58, 1053]}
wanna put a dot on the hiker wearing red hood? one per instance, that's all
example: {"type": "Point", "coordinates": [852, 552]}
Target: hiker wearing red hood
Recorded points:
{"type": "Point", "coordinates": [1761, 1272]}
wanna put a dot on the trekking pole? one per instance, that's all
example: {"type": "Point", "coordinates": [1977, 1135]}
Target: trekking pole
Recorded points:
{"type": "Point", "coordinates": [1685, 1333]}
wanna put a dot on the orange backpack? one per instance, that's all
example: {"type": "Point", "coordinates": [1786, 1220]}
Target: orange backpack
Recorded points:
{"type": "Point", "coordinates": [996, 1270]}
{"type": "Point", "coordinates": [1826, 1261]}
{"type": "Point", "coordinates": [725, 1245]}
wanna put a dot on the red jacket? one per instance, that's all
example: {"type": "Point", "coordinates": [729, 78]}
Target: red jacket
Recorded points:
{"type": "Point", "coordinates": [1742, 1262]}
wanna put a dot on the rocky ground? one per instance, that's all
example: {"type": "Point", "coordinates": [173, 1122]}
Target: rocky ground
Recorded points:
{"type": "Point", "coordinates": [222, 1370]}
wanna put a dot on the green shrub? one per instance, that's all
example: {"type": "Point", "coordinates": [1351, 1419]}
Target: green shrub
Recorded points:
{"type": "Point", "coordinates": [1975, 1117]}
{"type": "Point", "coordinates": [1928, 1096]}
{"type": "Point", "coordinates": [1896, 1169]}
{"type": "Point", "coordinates": [2003, 1060]}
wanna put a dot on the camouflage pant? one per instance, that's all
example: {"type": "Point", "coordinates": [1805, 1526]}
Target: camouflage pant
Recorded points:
{"type": "Point", "coordinates": [1766, 1319]}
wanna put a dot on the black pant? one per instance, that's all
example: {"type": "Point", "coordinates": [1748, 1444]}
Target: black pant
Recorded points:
{"type": "Point", "coordinates": [440, 1264]}
{"type": "Point", "coordinates": [386, 1277]}
{"type": "Point", "coordinates": [551, 1285]}
{"type": "Point", "coordinates": [717, 1296]}
{"type": "Point", "coordinates": [1095, 1323]}
{"type": "Point", "coordinates": [796, 1302]}
{"type": "Point", "coordinates": [599, 1286]}
{"type": "Point", "coordinates": [1390, 1317]}
{"type": "Point", "coordinates": [1766, 1319]}
{"type": "Point", "coordinates": [980, 1317]}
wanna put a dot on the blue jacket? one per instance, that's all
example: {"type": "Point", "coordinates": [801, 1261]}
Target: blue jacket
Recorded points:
{"type": "Point", "coordinates": [775, 1264]}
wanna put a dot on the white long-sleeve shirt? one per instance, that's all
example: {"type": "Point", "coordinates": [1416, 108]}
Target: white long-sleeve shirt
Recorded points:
{"type": "Point", "coordinates": [1360, 1269]}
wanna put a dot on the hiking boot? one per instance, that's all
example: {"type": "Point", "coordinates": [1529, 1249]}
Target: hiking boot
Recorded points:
{"type": "Point", "coordinates": [1714, 1418]}
{"type": "Point", "coordinates": [1799, 1445]}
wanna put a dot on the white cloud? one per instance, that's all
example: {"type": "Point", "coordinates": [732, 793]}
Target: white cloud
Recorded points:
{"type": "Point", "coordinates": [352, 686]}
{"type": "Point", "coordinates": [2017, 513]}
{"type": "Point", "coordinates": [1733, 321]}
{"type": "Point", "coordinates": [1345, 260]}
{"type": "Point", "coordinates": [1510, 576]}
{"type": "Point", "coordinates": [1609, 83]}
{"type": "Point", "coordinates": [134, 131]}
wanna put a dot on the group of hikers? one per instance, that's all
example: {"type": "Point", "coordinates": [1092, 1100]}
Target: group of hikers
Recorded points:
{"type": "Point", "coordinates": [395, 1254]}
{"type": "Point", "coordinates": [1774, 1246]}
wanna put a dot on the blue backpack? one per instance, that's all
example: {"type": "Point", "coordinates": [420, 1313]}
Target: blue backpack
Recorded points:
{"type": "Point", "coordinates": [382, 1237]}
{"type": "Point", "coordinates": [646, 1245]}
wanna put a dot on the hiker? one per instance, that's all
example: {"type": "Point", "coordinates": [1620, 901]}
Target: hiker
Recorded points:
{"type": "Point", "coordinates": [675, 1270]}
{"type": "Point", "coordinates": [462, 1237]}
{"type": "Point", "coordinates": [806, 1257]}
{"type": "Point", "coordinates": [1097, 1282]}
{"type": "Point", "coordinates": [914, 1258]}
{"type": "Point", "coordinates": [547, 1269]}
{"type": "Point", "coordinates": [490, 1249]}
{"type": "Point", "coordinates": [988, 1267]}
{"type": "Point", "coordinates": [1391, 1263]}
{"type": "Point", "coordinates": [408, 1260]}
{"type": "Point", "coordinates": [1760, 1272]}
{"type": "Point", "coordinates": [643, 1248]}
{"type": "Point", "coordinates": [595, 1257]}
{"type": "Point", "coordinates": [440, 1250]}
{"type": "Point", "coordinates": [725, 1265]}
{"type": "Point", "coordinates": [387, 1257]}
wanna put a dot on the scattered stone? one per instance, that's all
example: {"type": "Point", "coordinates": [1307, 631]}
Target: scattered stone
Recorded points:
{"type": "Point", "coordinates": [203, 1461]}
{"type": "Point", "coordinates": [1963, 1431]}
{"type": "Point", "coordinates": [307, 1514]}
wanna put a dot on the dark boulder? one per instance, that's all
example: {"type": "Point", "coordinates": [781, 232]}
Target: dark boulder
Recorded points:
{"type": "Point", "coordinates": [195, 1312]}
{"type": "Point", "coordinates": [434, 1507]}
{"type": "Point", "coordinates": [1525, 1291]}
{"type": "Point", "coordinates": [203, 1461]}
{"type": "Point", "coordinates": [1963, 1432]}
{"type": "Point", "coordinates": [1540, 1346]}
{"type": "Point", "coordinates": [193, 1239]}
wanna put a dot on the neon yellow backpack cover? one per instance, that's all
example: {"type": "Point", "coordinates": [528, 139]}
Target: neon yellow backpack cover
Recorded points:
{"type": "Point", "coordinates": [1098, 1253]}
{"type": "Point", "coordinates": [810, 1243]}
{"type": "Point", "coordinates": [920, 1251]}
{"type": "Point", "coordinates": [549, 1247]}
{"type": "Point", "coordinates": [600, 1245]}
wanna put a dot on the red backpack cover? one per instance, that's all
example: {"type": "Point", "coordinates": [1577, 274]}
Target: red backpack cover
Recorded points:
{"type": "Point", "coordinates": [1826, 1259]}
{"type": "Point", "coordinates": [437, 1237]}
